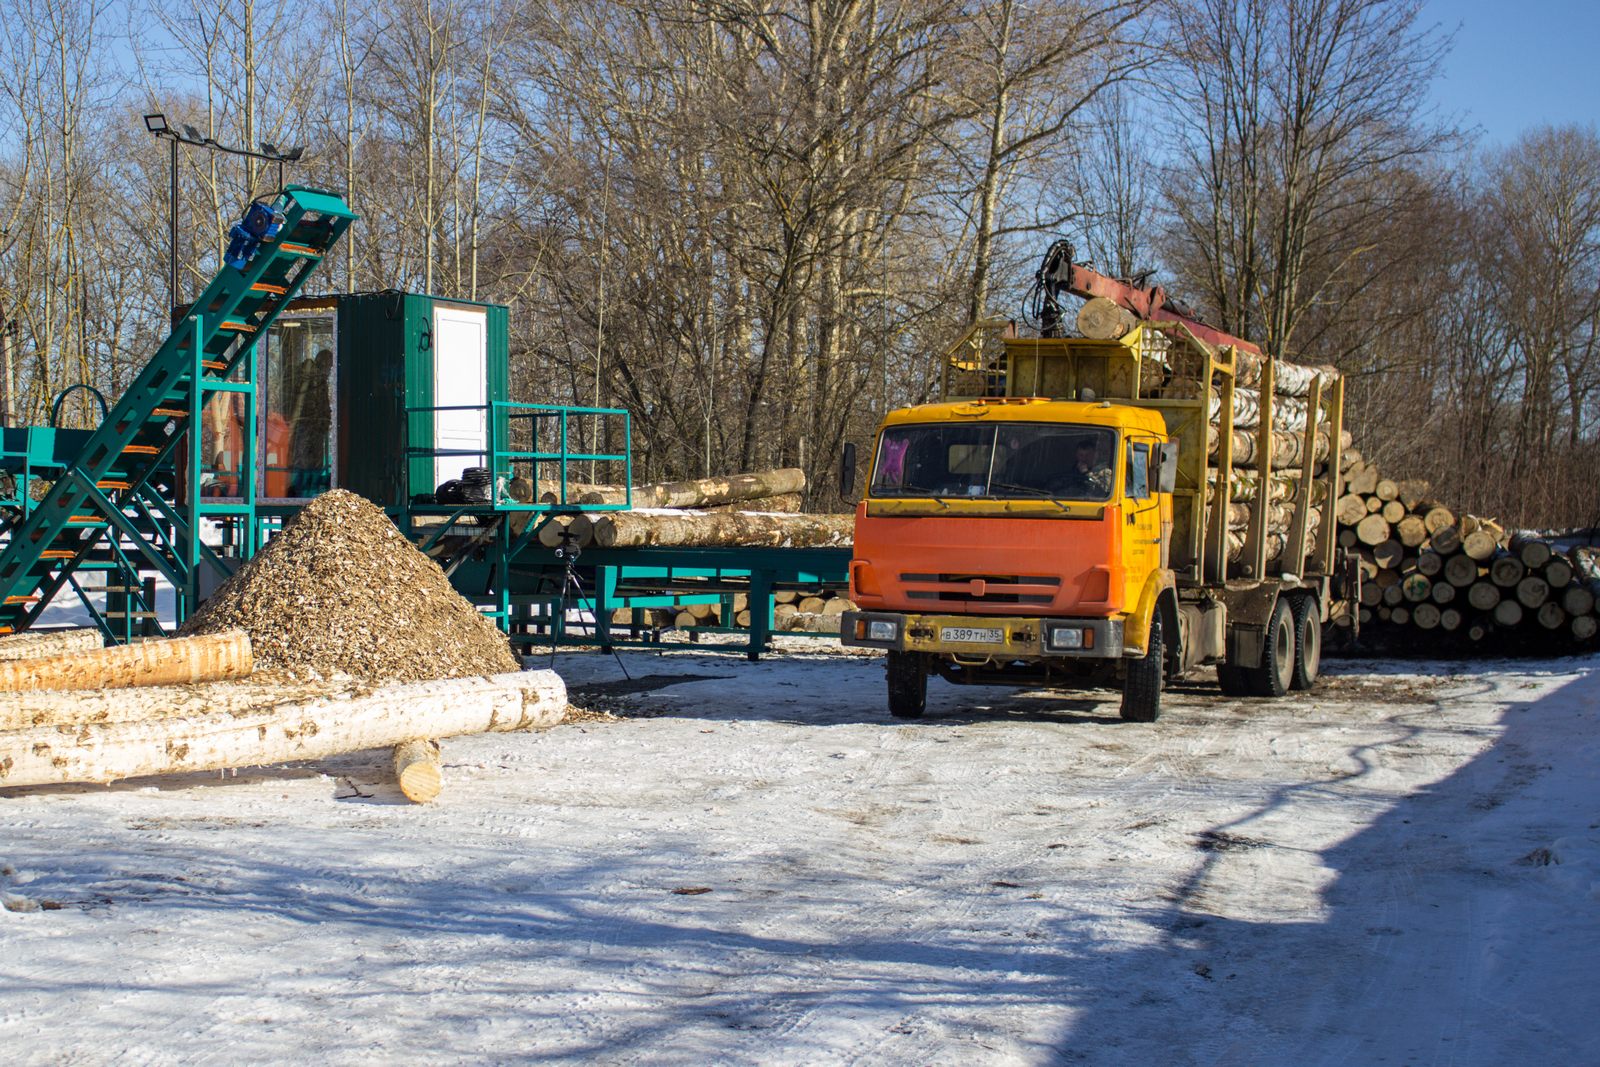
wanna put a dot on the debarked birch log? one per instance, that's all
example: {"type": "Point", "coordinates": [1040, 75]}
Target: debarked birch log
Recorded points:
{"type": "Point", "coordinates": [681, 528]}
{"type": "Point", "coordinates": [181, 660]}
{"type": "Point", "coordinates": [1287, 448]}
{"type": "Point", "coordinates": [301, 730]}
{"type": "Point", "coordinates": [703, 492]}
{"type": "Point", "coordinates": [76, 707]}
{"type": "Point", "coordinates": [1287, 413]}
{"type": "Point", "coordinates": [39, 644]}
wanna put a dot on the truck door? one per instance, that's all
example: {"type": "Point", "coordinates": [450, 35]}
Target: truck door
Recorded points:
{"type": "Point", "coordinates": [1141, 533]}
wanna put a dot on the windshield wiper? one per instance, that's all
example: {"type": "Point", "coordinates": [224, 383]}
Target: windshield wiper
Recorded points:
{"type": "Point", "coordinates": [1034, 490]}
{"type": "Point", "coordinates": [1043, 494]}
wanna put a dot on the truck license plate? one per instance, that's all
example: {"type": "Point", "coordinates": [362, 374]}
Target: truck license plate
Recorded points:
{"type": "Point", "coordinates": [986, 635]}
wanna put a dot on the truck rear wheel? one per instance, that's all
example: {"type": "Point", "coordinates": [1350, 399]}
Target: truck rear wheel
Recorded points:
{"type": "Point", "coordinates": [1273, 677]}
{"type": "Point", "coordinates": [908, 684]}
{"type": "Point", "coordinates": [1141, 686]}
{"type": "Point", "coordinates": [1307, 643]}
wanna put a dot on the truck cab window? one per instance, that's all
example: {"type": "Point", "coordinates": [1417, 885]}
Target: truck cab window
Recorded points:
{"type": "Point", "coordinates": [1138, 471]}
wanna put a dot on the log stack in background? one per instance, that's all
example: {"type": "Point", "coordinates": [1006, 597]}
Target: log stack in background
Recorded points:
{"type": "Point", "coordinates": [750, 510]}
{"type": "Point", "coordinates": [800, 611]}
{"type": "Point", "coordinates": [1432, 580]}
{"type": "Point", "coordinates": [766, 491]}
{"type": "Point", "coordinates": [757, 510]}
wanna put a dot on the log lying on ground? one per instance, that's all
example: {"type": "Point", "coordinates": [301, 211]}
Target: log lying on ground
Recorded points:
{"type": "Point", "coordinates": [417, 770]}
{"type": "Point", "coordinates": [58, 707]}
{"type": "Point", "coordinates": [687, 528]}
{"type": "Point", "coordinates": [181, 660]}
{"type": "Point", "coordinates": [41, 644]}
{"type": "Point", "coordinates": [301, 730]}
{"type": "Point", "coordinates": [704, 492]}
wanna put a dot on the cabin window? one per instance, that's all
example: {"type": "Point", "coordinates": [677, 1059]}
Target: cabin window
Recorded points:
{"type": "Point", "coordinates": [297, 408]}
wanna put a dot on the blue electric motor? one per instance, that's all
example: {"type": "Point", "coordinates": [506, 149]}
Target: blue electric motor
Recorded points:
{"type": "Point", "coordinates": [261, 222]}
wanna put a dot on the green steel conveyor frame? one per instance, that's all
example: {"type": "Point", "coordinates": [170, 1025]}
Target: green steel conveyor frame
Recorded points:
{"type": "Point", "coordinates": [517, 581]}
{"type": "Point", "coordinates": [110, 499]}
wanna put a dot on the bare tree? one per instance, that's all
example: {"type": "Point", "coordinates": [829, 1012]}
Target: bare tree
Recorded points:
{"type": "Point", "coordinates": [1286, 111]}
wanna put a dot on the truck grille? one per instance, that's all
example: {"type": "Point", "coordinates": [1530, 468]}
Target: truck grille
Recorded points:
{"type": "Point", "coordinates": [989, 588]}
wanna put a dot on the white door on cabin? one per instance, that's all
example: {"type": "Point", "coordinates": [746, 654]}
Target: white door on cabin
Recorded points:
{"type": "Point", "coordinates": [460, 379]}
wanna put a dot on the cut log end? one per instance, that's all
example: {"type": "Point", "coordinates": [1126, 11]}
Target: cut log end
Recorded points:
{"type": "Point", "coordinates": [417, 770]}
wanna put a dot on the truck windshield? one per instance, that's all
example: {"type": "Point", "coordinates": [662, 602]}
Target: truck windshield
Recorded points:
{"type": "Point", "coordinates": [999, 460]}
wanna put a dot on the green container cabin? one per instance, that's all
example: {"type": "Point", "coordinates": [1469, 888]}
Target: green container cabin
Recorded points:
{"type": "Point", "coordinates": [348, 392]}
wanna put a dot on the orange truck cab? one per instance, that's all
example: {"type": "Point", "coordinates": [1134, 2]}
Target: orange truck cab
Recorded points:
{"type": "Point", "coordinates": [1030, 540]}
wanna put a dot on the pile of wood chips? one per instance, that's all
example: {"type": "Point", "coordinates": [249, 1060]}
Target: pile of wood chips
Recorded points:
{"type": "Point", "coordinates": [340, 591]}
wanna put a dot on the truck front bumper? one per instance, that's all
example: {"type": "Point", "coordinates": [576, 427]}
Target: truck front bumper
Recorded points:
{"type": "Point", "coordinates": [981, 636]}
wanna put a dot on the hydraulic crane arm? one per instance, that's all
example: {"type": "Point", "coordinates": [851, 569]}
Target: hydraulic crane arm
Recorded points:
{"type": "Point", "coordinates": [1058, 274]}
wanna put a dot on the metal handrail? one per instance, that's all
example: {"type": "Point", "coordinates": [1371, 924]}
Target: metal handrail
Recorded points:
{"type": "Point", "coordinates": [501, 459]}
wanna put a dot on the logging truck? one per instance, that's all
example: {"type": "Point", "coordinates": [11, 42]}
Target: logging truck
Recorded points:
{"type": "Point", "coordinates": [1115, 508]}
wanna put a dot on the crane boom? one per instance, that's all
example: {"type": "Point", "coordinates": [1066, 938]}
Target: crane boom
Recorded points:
{"type": "Point", "coordinates": [1059, 274]}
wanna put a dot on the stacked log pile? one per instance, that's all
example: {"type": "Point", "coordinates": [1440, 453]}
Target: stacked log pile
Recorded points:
{"type": "Point", "coordinates": [1434, 580]}
{"type": "Point", "coordinates": [799, 611]}
{"type": "Point", "coordinates": [761, 509]}
{"type": "Point", "coordinates": [1295, 388]}
{"type": "Point", "coordinates": [764, 491]}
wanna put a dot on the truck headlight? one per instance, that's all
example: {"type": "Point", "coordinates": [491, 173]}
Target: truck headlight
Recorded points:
{"type": "Point", "coordinates": [1066, 637]}
{"type": "Point", "coordinates": [882, 630]}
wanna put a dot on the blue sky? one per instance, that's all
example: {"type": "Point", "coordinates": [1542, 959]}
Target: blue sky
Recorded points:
{"type": "Point", "coordinates": [1517, 65]}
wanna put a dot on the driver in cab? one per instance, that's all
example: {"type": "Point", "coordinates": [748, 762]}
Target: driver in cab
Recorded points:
{"type": "Point", "coordinates": [1090, 476]}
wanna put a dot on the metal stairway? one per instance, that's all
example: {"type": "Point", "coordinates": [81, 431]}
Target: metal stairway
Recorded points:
{"type": "Point", "coordinates": [120, 497]}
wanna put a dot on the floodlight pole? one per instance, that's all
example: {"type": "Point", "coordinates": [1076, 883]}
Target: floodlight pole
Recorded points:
{"type": "Point", "coordinates": [157, 124]}
{"type": "Point", "coordinates": [172, 229]}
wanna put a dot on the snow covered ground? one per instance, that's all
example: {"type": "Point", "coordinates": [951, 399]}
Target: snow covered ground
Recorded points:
{"type": "Point", "coordinates": [754, 864]}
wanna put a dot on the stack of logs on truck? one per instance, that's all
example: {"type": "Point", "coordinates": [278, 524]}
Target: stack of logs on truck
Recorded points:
{"type": "Point", "coordinates": [1429, 579]}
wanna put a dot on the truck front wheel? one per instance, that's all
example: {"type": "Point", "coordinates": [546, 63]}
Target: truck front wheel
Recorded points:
{"type": "Point", "coordinates": [1141, 687]}
{"type": "Point", "coordinates": [908, 684]}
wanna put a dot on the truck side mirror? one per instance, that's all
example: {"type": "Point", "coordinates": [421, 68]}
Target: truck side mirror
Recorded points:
{"type": "Point", "coordinates": [1167, 472]}
{"type": "Point", "coordinates": [847, 470]}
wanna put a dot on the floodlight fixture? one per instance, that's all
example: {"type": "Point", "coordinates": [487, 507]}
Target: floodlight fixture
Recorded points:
{"type": "Point", "coordinates": [156, 124]}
